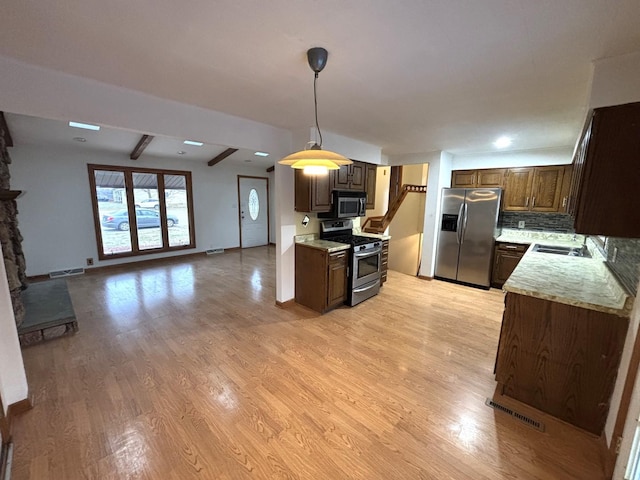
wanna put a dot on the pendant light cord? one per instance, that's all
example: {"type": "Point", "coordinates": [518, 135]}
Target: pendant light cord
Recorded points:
{"type": "Point", "coordinates": [315, 104]}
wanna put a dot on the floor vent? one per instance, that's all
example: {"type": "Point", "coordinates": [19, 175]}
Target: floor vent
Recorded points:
{"type": "Point", "coordinates": [213, 251]}
{"type": "Point", "coordinates": [66, 273]}
{"type": "Point", "coordinates": [523, 418]}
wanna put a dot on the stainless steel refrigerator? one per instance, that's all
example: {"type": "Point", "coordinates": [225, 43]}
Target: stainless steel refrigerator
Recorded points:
{"type": "Point", "coordinates": [467, 228]}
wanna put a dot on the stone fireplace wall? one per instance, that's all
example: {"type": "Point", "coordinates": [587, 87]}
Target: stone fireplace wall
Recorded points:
{"type": "Point", "coordinates": [10, 235]}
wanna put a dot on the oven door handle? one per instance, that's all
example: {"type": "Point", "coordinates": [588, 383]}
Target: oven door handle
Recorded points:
{"type": "Point", "coordinates": [368, 253]}
{"type": "Point", "coordinates": [364, 289]}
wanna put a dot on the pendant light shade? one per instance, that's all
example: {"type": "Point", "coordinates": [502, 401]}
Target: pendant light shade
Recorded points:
{"type": "Point", "coordinates": [316, 161]}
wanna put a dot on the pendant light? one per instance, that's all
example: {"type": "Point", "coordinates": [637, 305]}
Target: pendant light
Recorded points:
{"type": "Point", "coordinates": [315, 160]}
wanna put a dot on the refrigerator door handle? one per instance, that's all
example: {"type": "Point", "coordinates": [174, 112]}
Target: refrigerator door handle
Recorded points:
{"type": "Point", "coordinates": [464, 223]}
{"type": "Point", "coordinates": [459, 225]}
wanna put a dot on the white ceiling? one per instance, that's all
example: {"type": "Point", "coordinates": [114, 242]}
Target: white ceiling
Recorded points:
{"type": "Point", "coordinates": [27, 130]}
{"type": "Point", "coordinates": [409, 75]}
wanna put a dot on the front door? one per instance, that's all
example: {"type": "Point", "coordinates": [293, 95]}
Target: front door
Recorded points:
{"type": "Point", "coordinates": [253, 202]}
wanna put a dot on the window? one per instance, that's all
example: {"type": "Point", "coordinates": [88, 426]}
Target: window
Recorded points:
{"type": "Point", "coordinates": [138, 211]}
{"type": "Point", "coordinates": [254, 204]}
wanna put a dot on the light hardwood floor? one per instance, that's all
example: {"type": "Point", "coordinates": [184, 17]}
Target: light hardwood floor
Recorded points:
{"type": "Point", "coordinates": [187, 369]}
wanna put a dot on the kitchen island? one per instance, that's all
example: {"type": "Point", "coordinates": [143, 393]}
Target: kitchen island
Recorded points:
{"type": "Point", "coordinates": [562, 336]}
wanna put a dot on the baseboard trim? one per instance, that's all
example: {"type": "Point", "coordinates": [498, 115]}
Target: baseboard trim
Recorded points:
{"type": "Point", "coordinates": [137, 263]}
{"type": "Point", "coordinates": [15, 409]}
{"type": "Point", "coordinates": [424, 277]}
{"type": "Point", "coordinates": [287, 304]}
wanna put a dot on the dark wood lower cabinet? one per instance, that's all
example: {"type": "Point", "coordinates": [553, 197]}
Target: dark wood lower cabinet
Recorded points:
{"type": "Point", "coordinates": [321, 277]}
{"type": "Point", "coordinates": [560, 359]}
{"type": "Point", "coordinates": [506, 259]}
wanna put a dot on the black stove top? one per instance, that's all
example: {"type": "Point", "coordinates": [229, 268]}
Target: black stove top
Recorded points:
{"type": "Point", "coordinates": [341, 230]}
{"type": "Point", "coordinates": [351, 239]}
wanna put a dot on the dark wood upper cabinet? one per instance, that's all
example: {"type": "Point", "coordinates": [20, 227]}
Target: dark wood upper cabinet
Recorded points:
{"type": "Point", "coordinates": [351, 177]}
{"type": "Point", "coordinates": [371, 176]}
{"type": "Point", "coordinates": [565, 191]}
{"type": "Point", "coordinates": [490, 178]}
{"type": "Point", "coordinates": [517, 189]}
{"type": "Point", "coordinates": [485, 178]}
{"type": "Point", "coordinates": [606, 176]}
{"type": "Point", "coordinates": [463, 178]}
{"type": "Point", "coordinates": [547, 188]}
{"type": "Point", "coordinates": [313, 192]}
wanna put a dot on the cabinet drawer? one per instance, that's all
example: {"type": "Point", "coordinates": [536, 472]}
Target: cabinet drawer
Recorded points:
{"type": "Point", "coordinates": [338, 257]}
{"type": "Point", "coordinates": [512, 247]}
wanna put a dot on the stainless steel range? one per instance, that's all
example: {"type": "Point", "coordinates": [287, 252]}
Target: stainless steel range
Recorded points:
{"type": "Point", "coordinates": [364, 274]}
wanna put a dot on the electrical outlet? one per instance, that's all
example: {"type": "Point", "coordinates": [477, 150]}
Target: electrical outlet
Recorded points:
{"type": "Point", "coordinates": [521, 224]}
{"type": "Point", "coordinates": [89, 262]}
{"type": "Point", "coordinates": [615, 255]}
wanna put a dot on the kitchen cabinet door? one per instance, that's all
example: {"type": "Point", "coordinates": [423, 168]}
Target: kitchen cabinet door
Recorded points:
{"type": "Point", "coordinates": [506, 259]}
{"type": "Point", "coordinates": [560, 359]}
{"type": "Point", "coordinates": [321, 277]}
{"type": "Point", "coordinates": [490, 178]}
{"type": "Point", "coordinates": [565, 191]}
{"type": "Point", "coordinates": [463, 178]}
{"type": "Point", "coordinates": [342, 178]}
{"type": "Point", "coordinates": [607, 174]}
{"type": "Point", "coordinates": [358, 176]}
{"type": "Point", "coordinates": [351, 177]}
{"type": "Point", "coordinates": [313, 192]}
{"type": "Point", "coordinates": [371, 176]}
{"type": "Point", "coordinates": [517, 189]}
{"type": "Point", "coordinates": [547, 188]}
{"type": "Point", "coordinates": [337, 279]}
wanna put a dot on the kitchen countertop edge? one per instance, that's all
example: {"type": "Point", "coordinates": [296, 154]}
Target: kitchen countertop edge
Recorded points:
{"type": "Point", "coordinates": [580, 282]}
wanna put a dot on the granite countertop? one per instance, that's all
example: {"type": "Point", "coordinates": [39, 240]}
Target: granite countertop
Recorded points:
{"type": "Point", "coordinates": [312, 240]}
{"type": "Point", "coordinates": [578, 281]}
{"type": "Point", "coordinates": [525, 237]}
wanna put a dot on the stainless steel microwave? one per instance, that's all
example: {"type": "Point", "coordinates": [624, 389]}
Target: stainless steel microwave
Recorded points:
{"type": "Point", "coordinates": [346, 204]}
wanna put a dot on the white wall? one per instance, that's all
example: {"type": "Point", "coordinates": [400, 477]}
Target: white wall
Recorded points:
{"type": "Point", "coordinates": [350, 148]}
{"type": "Point", "coordinates": [46, 93]}
{"type": "Point", "coordinates": [41, 92]}
{"type": "Point", "coordinates": [13, 380]}
{"type": "Point", "coordinates": [406, 229]}
{"type": "Point", "coordinates": [616, 80]}
{"type": "Point", "coordinates": [55, 212]}
{"type": "Point", "coordinates": [524, 158]}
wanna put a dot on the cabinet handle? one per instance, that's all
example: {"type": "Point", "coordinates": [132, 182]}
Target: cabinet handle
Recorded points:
{"type": "Point", "coordinates": [533, 202]}
{"type": "Point", "coordinates": [564, 202]}
{"type": "Point", "coordinates": [526, 204]}
{"type": "Point", "coordinates": [510, 247]}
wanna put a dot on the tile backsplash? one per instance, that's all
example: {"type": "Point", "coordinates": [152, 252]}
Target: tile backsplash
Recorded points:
{"type": "Point", "coordinates": [550, 222]}
{"type": "Point", "coordinates": [623, 259]}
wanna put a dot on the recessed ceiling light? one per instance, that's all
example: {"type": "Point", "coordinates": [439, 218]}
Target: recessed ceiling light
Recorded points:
{"type": "Point", "coordinates": [261, 154]}
{"type": "Point", "coordinates": [86, 126]}
{"type": "Point", "coordinates": [502, 142]}
{"type": "Point", "coordinates": [80, 139]}
{"type": "Point", "coordinates": [194, 143]}
{"type": "Point", "coordinates": [181, 152]}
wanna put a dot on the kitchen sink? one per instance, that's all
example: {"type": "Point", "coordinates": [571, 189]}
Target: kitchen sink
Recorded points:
{"type": "Point", "coordinates": [569, 251]}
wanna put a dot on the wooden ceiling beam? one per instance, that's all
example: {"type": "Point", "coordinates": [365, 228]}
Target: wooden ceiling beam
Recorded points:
{"type": "Point", "coordinates": [142, 144]}
{"type": "Point", "coordinates": [8, 141]}
{"type": "Point", "coordinates": [222, 156]}
{"type": "Point", "coordinates": [271, 168]}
